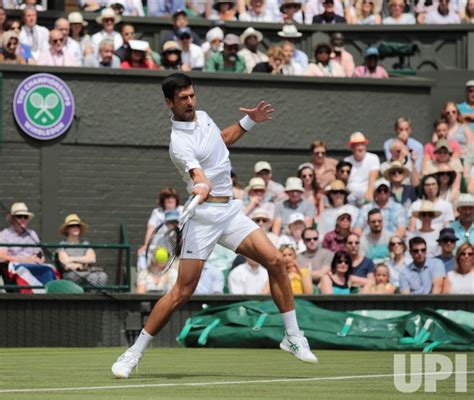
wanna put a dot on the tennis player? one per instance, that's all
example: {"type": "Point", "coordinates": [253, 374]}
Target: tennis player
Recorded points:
{"type": "Point", "coordinates": [198, 149]}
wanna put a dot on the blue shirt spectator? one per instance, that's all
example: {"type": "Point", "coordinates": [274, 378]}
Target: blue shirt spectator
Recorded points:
{"type": "Point", "coordinates": [211, 281]}
{"type": "Point", "coordinates": [159, 8]}
{"type": "Point", "coordinates": [416, 279]}
{"type": "Point", "coordinates": [394, 216]}
{"type": "Point", "coordinates": [464, 226]}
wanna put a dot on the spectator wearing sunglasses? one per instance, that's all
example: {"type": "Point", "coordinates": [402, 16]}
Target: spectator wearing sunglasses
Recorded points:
{"type": "Point", "coordinates": [400, 153]}
{"type": "Point", "coordinates": [315, 257]}
{"type": "Point", "coordinates": [459, 281]}
{"type": "Point", "coordinates": [398, 258]}
{"type": "Point", "coordinates": [394, 214]}
{"type": "Point", "coordinates": [423, 275]}
{"type": "Point", "coordinates": [343, 171]}
{"type": "Point", "coordinates": [296, 226]}
{"type": "Point", "coordinates": [337, 195]}
{"type": "Point", "coordinates": [339, 279]}
{"type": "Point", "coordinates": [447, 243]}
{"type": "Point", "coordinates": [426, 214]}
{"type": "Point", "coordinates": [400, 192]}
{"type": "Point", "coordinates": [430, 191]}
{"type": "Point", "coordinates": [10, 43]}
{"type": "Point", "coordinates": [264, 220]}
{"type": "Point", "coordinates": [323, 65]}
{"type": "Point", "coordinates": [362, 271]}
{"type": "Point", "coordinates": [108, 19]}
{"type": "Point", "coordinates": [329, 16]}
{"type": "Point", "coordinates": [324, 166]}
{"type": "Point", "coordinates": [374, 244]}
{"type": "Point", "coordinates": [336, 239]}
{"type": "Point", "coordinates": [57, 55]}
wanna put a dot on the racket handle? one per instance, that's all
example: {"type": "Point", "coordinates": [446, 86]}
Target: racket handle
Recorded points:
{"type": "Point", "coordinates": [189, 209]}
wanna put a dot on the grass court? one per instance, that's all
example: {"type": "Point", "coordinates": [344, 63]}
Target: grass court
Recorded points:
{"type": "Point", "coordinates": [84, 373]}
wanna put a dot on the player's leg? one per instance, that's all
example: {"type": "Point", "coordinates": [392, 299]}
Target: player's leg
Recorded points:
{"type": "Point", "coordinates": [188, 278]}
{"type": "Point", "coordinates": [259, 248]}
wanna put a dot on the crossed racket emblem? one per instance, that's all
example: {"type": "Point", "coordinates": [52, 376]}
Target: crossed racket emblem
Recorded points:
{"type": "Point", "coordinates": [44, 104]}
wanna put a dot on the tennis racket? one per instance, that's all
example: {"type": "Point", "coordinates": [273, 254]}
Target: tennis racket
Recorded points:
{"type": "Point", "coordinates": [172, 238]}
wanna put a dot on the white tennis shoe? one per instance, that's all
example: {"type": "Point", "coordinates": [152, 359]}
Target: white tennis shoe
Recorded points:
{"type": "Point", "coordinates": [299, 347]}
{"type": "Point", "coordinates": [125, 364]}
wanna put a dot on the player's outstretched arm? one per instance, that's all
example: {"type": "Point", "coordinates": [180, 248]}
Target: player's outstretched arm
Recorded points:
{"type": "Point", "coordinates": [262, 112]}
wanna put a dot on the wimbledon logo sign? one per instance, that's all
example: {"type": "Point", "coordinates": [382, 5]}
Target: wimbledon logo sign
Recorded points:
{"type": "Point", "coordinates": [43, 106]}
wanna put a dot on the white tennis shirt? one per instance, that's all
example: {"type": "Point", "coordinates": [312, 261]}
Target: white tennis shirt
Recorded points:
{"type": "Point", "coordinates": [199, 144]}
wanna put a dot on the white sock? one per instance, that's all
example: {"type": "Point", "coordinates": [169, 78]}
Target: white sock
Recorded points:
{"type": "Point", "coordinates": [291, 324]}
{"type": "Point", "coordinates": [142, 342]}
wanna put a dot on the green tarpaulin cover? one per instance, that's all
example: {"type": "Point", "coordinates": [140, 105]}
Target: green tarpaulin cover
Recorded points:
{"type": "Point", "coordinates": [258, 324]}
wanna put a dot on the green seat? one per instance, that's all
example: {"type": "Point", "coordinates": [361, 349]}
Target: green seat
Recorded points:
{"type": "Point", "coordinates": [63, 286]}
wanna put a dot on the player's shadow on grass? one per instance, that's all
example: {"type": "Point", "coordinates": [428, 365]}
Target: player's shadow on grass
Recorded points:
{"type": "Point", "coordinates": [197, 375]}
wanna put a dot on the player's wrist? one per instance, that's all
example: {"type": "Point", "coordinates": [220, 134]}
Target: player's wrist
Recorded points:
{"type": "Point", "coordinates": [201, 185]}
{"type": "Point", "coordinates": [246, 123]}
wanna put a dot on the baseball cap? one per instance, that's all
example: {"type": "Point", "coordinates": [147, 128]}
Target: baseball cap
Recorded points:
{"type": "Point", "coordinates": [261, 165]}
{"type": "Point", "coordinates": [371, 51]}
{"type": "Point", "coordinates": [260, 213]}
{"type": "Point", "coordinates": [183, 32]}
{"type": "Point", "coordinates": [442, 143]}
{"type": "Point", "coordinates": [470, 83]}
{"type": "Point", "coordinates": [230, 39]}
{"type": "Point", "coordinates": [381, 182]}
{"type": "Point", "coordinates": [295, 217]}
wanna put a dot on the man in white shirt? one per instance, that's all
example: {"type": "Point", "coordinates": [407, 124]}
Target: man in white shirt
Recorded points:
{"type": "Point", "coordinates": [108, 20]}
{"type": "Point", "coordinates": [442, 14]}
{"type": "Point", "coordinates": [247, 278]}
{"type": "Point", "coordinates": [198, 149]}
{"type": "Point", "coordinates": [32, 34]}
{"type": "Point", "coordinates": [250, 53]}
{"type": "Point", "coordinates": [365, 169]}
{"type": "Point", "coordinates": [73, 47]}
{"type": "Point", "coordinates": [191, 54]}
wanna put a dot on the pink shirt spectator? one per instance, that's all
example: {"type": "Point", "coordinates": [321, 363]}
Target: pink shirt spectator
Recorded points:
{"type": "Point", "coordinates": [346, 60]}
{"type": "Point", "coordinates": [147, 64]}
{"type": "Point", "coordinates": [363, 72]}
{"type": "Point", "coordinates": [430, 148]}
{"type": "Point", "coordinates": [60, 59]}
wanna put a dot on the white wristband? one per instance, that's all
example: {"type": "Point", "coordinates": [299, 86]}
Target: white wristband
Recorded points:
{"type": "Point", "coordinates": [246, 123]}
{"type": "Point", "coordinates": [202, 185]}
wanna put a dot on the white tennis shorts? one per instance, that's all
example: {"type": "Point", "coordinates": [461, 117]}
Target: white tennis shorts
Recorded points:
{"type": "Point", "coordinates": [213, 223]}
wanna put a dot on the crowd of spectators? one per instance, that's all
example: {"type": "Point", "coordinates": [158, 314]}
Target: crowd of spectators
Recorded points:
{"type": "Point", "coordinates": [405, 225]}
{"type": "Point", "coordinates": [116, 44]}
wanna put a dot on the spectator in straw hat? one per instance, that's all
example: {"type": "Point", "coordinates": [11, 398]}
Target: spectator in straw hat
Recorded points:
{"type": "Point", "coordinates": [290, 33]}
{"type": "Point", "coordinates": [295, 204]}
{"type": "Point", "coordinates": [108, 19]}
{"type": "Point", "coordinates": [426, 214]}
{"type": "Point", "coordinates": [464, 225]}
{"type": "Point", "coordinates": [79, 263]}
{"type": "Point", "coordinates": [222, 10]}
{"type": "Point", "coordinates": [394, 215]}
{"type": "Point", "coordinates": [400, 192]}
{"type": "Point", "coordinates": [291, 12]}
{"type": "Point", "coordinates": [365, 168]}
{"type": "Point", "coordinates": [275, 191]}
{"type": "Point", "coordinates": [250, 39]}
{"type": "Point", "coordinates": [256, 198]}
{"type": "Point", "coordinates": [264, 220]}
{"type": "Point", "coordinates": [337, 198]}
{"type": "Point", "coordinates": [78, 33]}
{"type": "Point", "coordinates": [400, 153]}
{"type": "Point", "coordinates": [171, 57]}
{"type": "Point", "coordinates": [227, 60]}
{"type": "Point", "coordinates": [18, 232]}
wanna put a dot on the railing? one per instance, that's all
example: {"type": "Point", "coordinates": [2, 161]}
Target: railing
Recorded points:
{"type": "Point", "coordinates": [124, 257]}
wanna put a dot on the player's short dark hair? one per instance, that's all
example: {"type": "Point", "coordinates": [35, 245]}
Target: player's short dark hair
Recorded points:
{"type": "Point", "coordinates": [416, 240]}
{"type": "Point", "coordinates": [174, 82]}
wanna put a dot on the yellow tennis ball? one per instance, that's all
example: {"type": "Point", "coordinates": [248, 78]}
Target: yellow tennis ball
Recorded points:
{"type": "Point", "coordinates": [161, 255]}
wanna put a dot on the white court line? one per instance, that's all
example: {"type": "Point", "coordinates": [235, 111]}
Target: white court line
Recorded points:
{"type": "Point", "coordinates": [166, 385]}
